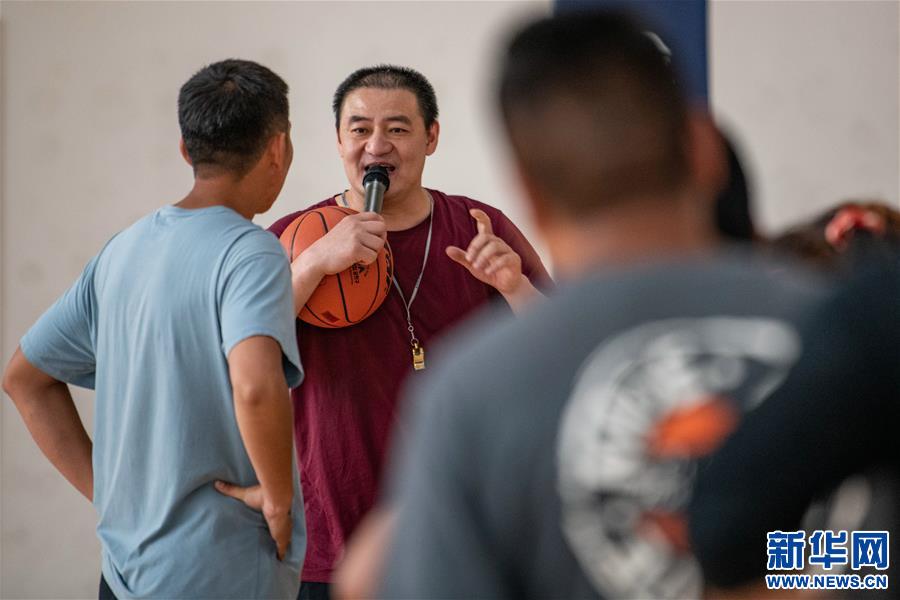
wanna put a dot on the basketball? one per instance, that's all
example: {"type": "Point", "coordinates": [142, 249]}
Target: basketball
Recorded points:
{"type": "Point", "coordinates": [345, 298]}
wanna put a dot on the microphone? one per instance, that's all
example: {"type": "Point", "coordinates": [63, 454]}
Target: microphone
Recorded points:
{"type": "Point", "coordinates": [376, 182]}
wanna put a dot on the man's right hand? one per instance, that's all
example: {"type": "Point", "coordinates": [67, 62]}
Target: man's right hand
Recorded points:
{"type": "Point", "coordinates": [356, 238]}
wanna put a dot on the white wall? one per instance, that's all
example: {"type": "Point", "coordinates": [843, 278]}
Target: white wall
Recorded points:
{"type": "Point", "coordinates": [811, 88]}
{"type": "Point", "coordinates": [89, 144]}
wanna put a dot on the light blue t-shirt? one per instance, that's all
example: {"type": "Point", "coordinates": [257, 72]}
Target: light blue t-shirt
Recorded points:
{"type": "Point", "coordinates": [149, 325]}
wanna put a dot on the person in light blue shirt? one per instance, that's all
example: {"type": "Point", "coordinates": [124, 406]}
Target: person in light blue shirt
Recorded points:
{"type": "Point", "coordinates": [184, 326]}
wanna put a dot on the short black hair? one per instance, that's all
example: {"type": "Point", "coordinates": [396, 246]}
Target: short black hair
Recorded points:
{"type": "Point", "coordinates": [388, 77]}
{"type": "Point", "coordinates": [594, 111]}
{"type": "Point", "coordinates": [228, 111]}
{"type": "Point", "coordinates": [862, 246]}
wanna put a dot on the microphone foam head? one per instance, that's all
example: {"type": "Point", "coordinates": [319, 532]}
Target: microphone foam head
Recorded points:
{"type": "Point", "coordinates": [379, 174]}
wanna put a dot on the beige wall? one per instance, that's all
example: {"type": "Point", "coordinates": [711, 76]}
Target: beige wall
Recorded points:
{"type": "Point", "coordinates": [812, 90]}
{"type": "Point", "coordinates": [89, 144]}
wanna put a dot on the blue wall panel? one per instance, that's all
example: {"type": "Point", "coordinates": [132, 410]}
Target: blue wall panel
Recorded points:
{"type": "Point", "coordinates": [681, 24]}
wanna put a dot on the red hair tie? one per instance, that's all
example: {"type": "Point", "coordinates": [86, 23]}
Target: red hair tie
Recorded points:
{"type": "Point", "coordinates": [840, 229]}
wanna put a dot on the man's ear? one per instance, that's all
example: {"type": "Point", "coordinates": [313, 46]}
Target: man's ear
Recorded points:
{"type": "Point", "coordinates": [706, 155]}
{"type": "Point", "coordinates": [277, 152]}
{"type": "Point", "coordinates": [434, 132]}
{"type": "Point", "coordinates": [337, 142]}
{"type": "Point", "coordinates": [535, 200]}
{"type": "Point", "coordinates": [184, 152]}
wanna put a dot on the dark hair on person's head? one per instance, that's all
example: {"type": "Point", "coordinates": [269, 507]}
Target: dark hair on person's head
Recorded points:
{"type": "Point", "coordinates": [734, 220]}
{"type": "Point", "coordinates": [228, 111]}
{"type": "Point", "coordinates": [850, 235]}
{"type": "Point", "coordinates": [388, 77]}
{"type": "Point", "coordinates": [594, 112]}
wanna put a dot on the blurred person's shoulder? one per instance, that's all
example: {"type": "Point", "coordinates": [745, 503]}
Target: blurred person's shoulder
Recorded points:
{"type": "Point", "coordinates": [516, 353]}
{"type": "Point", "coordinates": [867, 305]}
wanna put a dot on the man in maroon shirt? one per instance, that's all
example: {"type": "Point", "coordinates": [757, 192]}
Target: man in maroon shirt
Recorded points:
{"type": "Point", "coordinates": [345, 409]}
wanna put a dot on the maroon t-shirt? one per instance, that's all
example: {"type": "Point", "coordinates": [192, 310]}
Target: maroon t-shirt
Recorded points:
{"type": "Point", "coordinates": [345, 408]}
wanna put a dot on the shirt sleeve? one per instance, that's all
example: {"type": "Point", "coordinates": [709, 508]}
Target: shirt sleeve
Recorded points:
{"type": "Point", "coordinates": [438, 548]}
{"type": "Point", "coordinates": [62, 343]}
{"type": "Point", "coordinates": [836, 414]}
{"type": "Point", "coordinates": [256, 299]}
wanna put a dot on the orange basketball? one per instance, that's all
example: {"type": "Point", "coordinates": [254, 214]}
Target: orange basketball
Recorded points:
{"type": "Point", "coordinates": [347, 297]}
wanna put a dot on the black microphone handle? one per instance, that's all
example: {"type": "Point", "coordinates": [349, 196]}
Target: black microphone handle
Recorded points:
{"type": "Point", "coordinates": [374, 196]}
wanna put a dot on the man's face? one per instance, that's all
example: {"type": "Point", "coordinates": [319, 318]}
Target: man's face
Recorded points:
{"type": "Point", "coordinates": [385, 127]}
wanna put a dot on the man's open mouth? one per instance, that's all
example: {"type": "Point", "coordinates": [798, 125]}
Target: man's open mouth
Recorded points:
{"type": "Point", "coordinates": [390, 168]}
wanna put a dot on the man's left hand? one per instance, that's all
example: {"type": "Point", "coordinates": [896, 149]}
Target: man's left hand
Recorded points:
{"type": "Point", "coordinates": [489, 259]}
